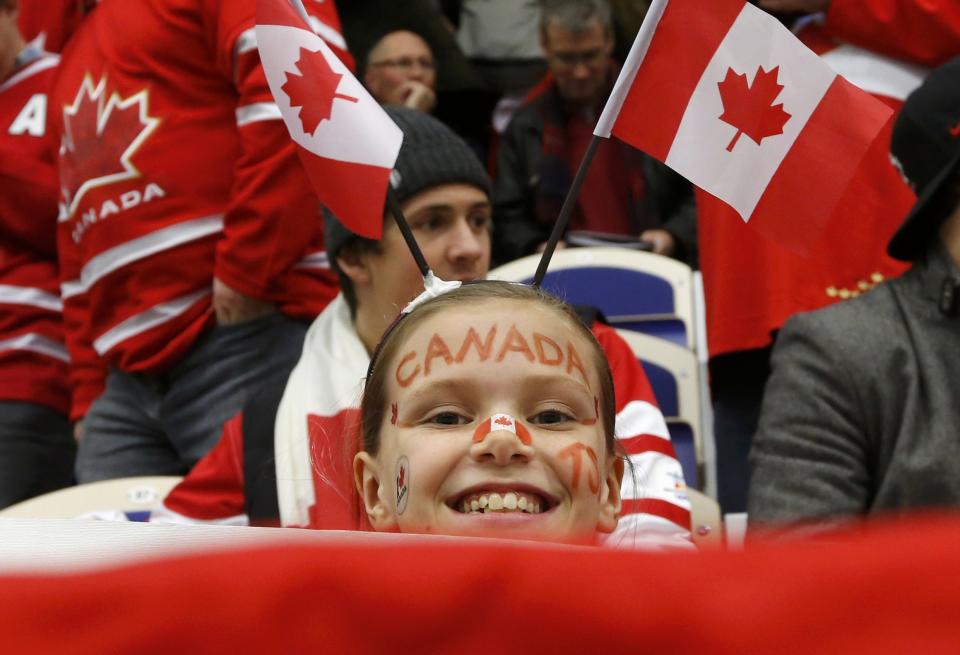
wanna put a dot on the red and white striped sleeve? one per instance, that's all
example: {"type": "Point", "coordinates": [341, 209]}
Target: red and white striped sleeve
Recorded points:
{"type": "Point", "coordinates": [656, 511]}
{"type": "Point", "coordinates": [273, 213]}
{"type": "Point", "coordinates": [926, 32]}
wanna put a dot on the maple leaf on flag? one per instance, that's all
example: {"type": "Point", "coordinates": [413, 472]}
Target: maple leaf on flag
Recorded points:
{"type": "Point", "coordinates": [503, 420]}
{"type": "Point", "coordinates": [750, 108]}
{"type": "Point", "coordinates": [401, 477]}
{"type": "Point", "coordinates": [100, 137]}
{"type": "Point", "coordinates": [314, 89]}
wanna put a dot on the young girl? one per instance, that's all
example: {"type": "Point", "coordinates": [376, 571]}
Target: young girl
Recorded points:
{"type": "Point", "coordinates": [489, 410]}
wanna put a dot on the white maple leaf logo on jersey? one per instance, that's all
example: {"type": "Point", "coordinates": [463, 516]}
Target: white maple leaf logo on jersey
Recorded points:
{"type": "Point", "coordinates": [100, 138]}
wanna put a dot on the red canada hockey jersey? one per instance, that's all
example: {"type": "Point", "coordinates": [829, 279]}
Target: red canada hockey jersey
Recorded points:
{"type": "Point", "coordinates": [48, 24]}
{"type": "Point", "coordinates": [33, 358]}
{"type": "Point", "coordinates": [752, 285]}
{"type": "Point", "coordinates": [175, 168]}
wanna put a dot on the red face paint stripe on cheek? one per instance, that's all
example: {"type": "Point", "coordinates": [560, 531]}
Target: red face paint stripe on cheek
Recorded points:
{"type": "Point", "coordinates": [482, 431]}
{"type": "Point", "coordinates": [574, 452]}
{"type": "Point", "coordinates": [523, 434]}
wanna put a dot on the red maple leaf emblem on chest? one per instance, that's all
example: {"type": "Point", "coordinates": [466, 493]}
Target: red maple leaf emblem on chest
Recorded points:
{"type": "Point", "coordinates": [314, 89]}
{"type": "Point", "coordinates": [101, 136]}
{"type": "Point", "coordinates": [750, 108]}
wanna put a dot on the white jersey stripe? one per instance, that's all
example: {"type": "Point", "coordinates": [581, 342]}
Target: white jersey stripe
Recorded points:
{"type": "Point", "coordinates": [648, 532]}
{"type": "Point", "coordinates": [654, 475]}
{"type": "Point", "coordinates": [30, 296]}
{"type": "Point", "coordinates": [875, 73]}
{"type": "Point", "coordinates": [246, 42]}
{"type": "Point", "coordinates": [41, 64]}
{"type": "Point", "coordinates": [317, 259]}
{"type": "Point", "coordinates": [327, 33]}
{"type": "Point", "coordinates": [639, 417]}
{"type": "Point", "coordinates": [146, 320]}
{"type": "Point", "coordinates": [258, 111]}
{"type": "Point", "coordinates": [36, 343]}
{"type": "Point", "coordinates": [119, 256]}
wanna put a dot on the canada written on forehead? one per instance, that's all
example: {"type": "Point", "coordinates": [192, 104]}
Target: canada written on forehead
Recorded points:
{"type": "Point", "coordinates": [496, 343]}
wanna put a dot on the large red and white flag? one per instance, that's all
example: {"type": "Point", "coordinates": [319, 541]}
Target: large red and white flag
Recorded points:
{"type": "Point", "coordinates": [725, 95]}
{"type": "Point", "coordinates": [347, 143]}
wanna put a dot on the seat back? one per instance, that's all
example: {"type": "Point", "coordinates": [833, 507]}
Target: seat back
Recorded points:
{"type": "Point", "coordinates": [132, 497]}
{"type": "Point", "coordinates": [706, 522]}
{"type": "Point", "coordinates": [635, 290]}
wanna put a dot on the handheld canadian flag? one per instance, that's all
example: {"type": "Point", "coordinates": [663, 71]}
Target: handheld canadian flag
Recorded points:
{"type": "Point", "coordinates": [347, 143]}
{"type": "Point", "coordinates": [725, 95]}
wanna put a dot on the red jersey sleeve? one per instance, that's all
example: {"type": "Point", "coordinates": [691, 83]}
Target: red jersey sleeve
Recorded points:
{"type": "Point", "coordinates": [273, 213]}
{"type": "Point", "coordinates": [923, 31]}
{"type": "Point", "coordinates": [656, 511]}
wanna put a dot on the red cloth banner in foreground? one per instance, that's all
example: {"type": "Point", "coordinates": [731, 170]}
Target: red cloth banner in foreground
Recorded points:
{"type": "Point", "coordinates": [891, 590]}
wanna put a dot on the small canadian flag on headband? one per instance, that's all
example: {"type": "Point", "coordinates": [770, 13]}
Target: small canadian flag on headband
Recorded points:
{"type": "Point", "coordinates": [347, 143]}
{"type": "Point", "coordinates": [725, 95]}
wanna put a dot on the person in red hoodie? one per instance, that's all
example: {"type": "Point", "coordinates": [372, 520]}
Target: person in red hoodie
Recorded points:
{"type": "Point", "coordinates": [36, 441]}
{"type": "Point", "coordinates": [190, 241]}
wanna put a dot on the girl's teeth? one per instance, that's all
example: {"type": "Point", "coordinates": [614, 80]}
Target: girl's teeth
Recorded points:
{"type": "Point", "coordinates": [495, 502]}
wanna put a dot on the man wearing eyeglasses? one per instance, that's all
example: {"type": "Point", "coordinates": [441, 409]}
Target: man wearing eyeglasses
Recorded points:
{"type": "Point", "coordinates": [626, 193]}
{"type": "Point", "coordinates": [400, 70]}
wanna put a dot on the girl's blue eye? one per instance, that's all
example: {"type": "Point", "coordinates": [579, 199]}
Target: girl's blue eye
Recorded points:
{"type": "Point", "coordinates": [448, 418]}
{"type": "Point", "coordinates": [551, 417]}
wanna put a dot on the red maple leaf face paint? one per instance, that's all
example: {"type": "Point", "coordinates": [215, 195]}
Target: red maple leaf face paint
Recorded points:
{"type": "Point", "coordinates": [403, 481]}
{"type": "Point", "coordinates": [393, 413]}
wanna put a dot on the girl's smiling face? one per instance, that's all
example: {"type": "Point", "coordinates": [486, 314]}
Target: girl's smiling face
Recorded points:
{"type": "Point", "coordinates": [493, 428]}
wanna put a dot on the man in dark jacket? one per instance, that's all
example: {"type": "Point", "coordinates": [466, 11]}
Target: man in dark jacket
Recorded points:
{"type": "Point", "coordinates": [625, 191]}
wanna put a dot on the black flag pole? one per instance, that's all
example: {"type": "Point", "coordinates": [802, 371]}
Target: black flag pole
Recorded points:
{"type": "Point", "coordinates": [394, 206]}
{"type": "Point", "coordinates": [566, 210]}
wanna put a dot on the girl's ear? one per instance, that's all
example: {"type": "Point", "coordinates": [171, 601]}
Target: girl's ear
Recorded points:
{"type": "Point", "coordinates": [370, 487]}
{"type": "Point", "coordinates": [610, 502]}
